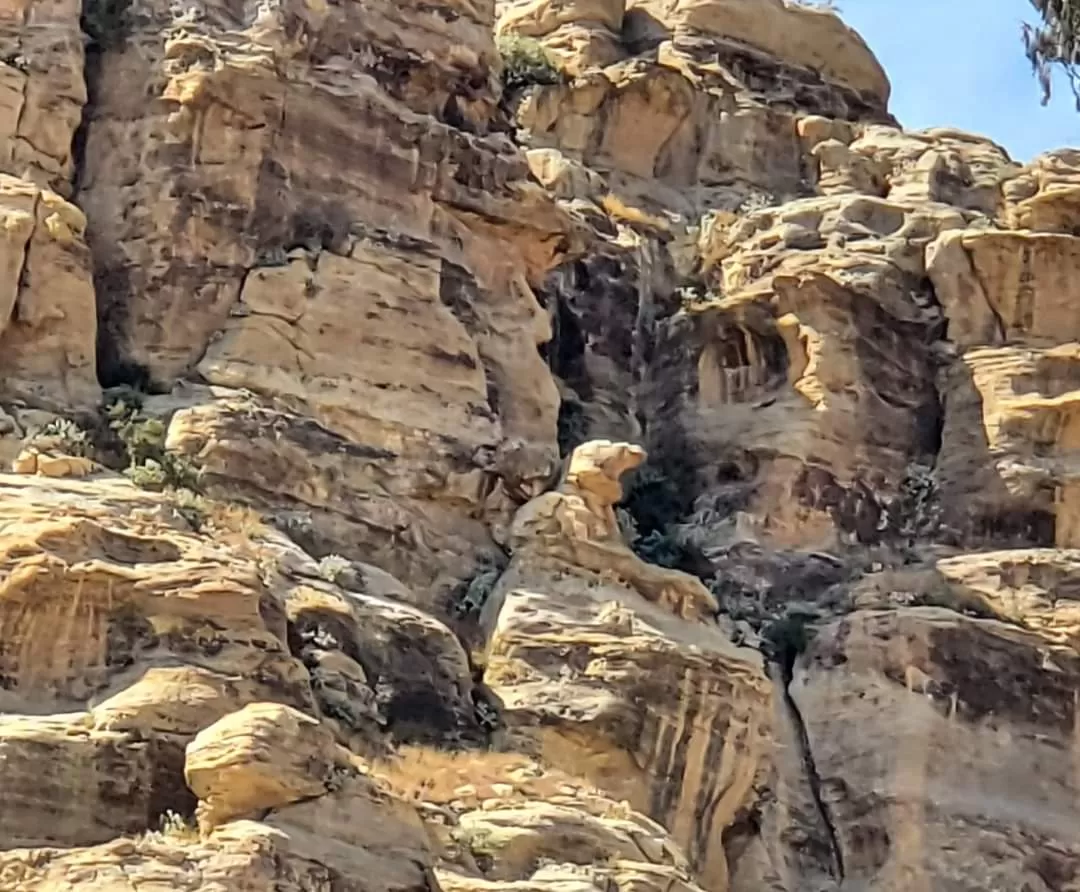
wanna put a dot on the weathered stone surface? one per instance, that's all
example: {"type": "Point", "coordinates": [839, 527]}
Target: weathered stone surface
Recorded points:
{"type": "Point", "coordinates": [665, 144]}
{"type": "Point", "coordinates": [378, 664]}
{"type": "Point", "coordinates": [47, 311]}
{"type": "Point", "coordinates": [575, 525]}
{"type": "Point", "coordinates": [1004, 287]}
{"type": "Point", "coordinates": [240, 133]}
{"type": "Point", "coordinates": [574, 668]}
{"type": "Point", "coordinates": [264, 756]}
{"type": "Point", "coordinates": [803, 386]}
{"type": "Point", "coordinates": [799, 35]}
{"type": "Point", "coordinates": [689, 124]}
{"type": "Point", "coordinates": [1007, 469]}
{"type": "Point", "coordinates": [574, 652]}
{"type": "Point", "coordinates": [104, 587]}
{"type": "Point", "coordinates": [416, 417]}
{"type": "Point", "coordinates": [1007, 466]}
{"type": "Point", "coordinates": [71, 785]}
{"type": "Point", "coordinates": [377, 294]}
{"type": "Point", "coordinates": [334, 184]}
{"type": "Point", "coordinates": [945, 166]}
{"type": "Point", "coordinates": [939, 742]}
{"type": "Point", "coordinates": [1043, 195]}
{"type": "Point", "coordinates": [372, 839]}
{"type": "Point", "coordinates": [694, 121]}
{"type": "Point", "coordinates": [42, 91]}
{"type": "Point", "coordinates": [504, 820]}
{"type": "Point", "coordinates": [580, 35]}
{"type": "Point", "coordinates": [1032, 587]}
{"type": "Point", "coordinates": [419, 516]}
{"type": "Point", "coordinates": [246, 856]}
{"type": "Point", "coordinates": [33, 461]}
{"type": "Point", "coordinates": [122, 633]}
{"type": "Point", "coordinates": [784, 840]}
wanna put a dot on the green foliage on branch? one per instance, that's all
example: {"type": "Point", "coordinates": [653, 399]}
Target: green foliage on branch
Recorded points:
{"type": "Point", "coordinates": [1055, 44]}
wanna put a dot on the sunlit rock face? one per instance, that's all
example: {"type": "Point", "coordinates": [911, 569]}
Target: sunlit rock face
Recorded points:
{"type": "Point", "coordinates": [525, 446]}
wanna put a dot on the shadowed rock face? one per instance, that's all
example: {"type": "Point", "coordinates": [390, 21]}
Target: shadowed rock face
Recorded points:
{"type": "Point", "coordinates": [570, 447]}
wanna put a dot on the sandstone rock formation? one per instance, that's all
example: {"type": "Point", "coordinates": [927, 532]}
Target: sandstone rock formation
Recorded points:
{"type": "Point", "coordinates": [43, 91]}
{"type": "Point", "coordinates": [534, 445]}
{"type": "Point", "coordinates": [48, 330]}
{"type": "Point", "coordinates": [591, 666]}
{"type": "Point", "coordinates": [575, 524]}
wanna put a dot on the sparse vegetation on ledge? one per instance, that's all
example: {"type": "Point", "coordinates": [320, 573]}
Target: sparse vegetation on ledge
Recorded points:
{"type": "Point", "coordinates": [150, 465]}
{"type": "Point", "coordinates": [526, 63]}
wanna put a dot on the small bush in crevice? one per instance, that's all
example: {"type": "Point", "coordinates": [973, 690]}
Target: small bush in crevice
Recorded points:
{"type": "Point", "coordinates": [737, 599]}
{"type": "Point", "coordinates": [333, 567]}
{"type": "Point", "coordinates": [469, 598]}
{"type": "Point", "coordinates": [298, 526]}
{"type": "Point", "coordinates": [193, 508]}
{"type": "Point", "coordinates": [655, 499]}
{"type": "Point", "coordinates": [64, 435]}
{"type": "Point", "coordinates": [174, 827]}
{"type": "Point", "coordinates": [526, 63]}
{"type": "Point", "coordinates": [661, 548]}
{"type": "Point", "coordinates": [916, 511]}
{"type": "Point", "coordinates": [149, 464]}
{"type": "Point", "coordinates": [627, 527]}
{"type": "Point", "coordinates": [487, 716]}
{"type": "Point", "coordinates": [670, 549]}
{"type": "Point", "coordinates": [106, 22]}
{"type": "Point", "coordinates": [786, 637]}
{"type": "Point", "coordinates": [573, 426]}
{"type": "Point", "coordinates": [206, 515]}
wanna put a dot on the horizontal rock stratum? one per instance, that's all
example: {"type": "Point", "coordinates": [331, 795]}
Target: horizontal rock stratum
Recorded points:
{"type": "Point", "coordinates": [526, 446]}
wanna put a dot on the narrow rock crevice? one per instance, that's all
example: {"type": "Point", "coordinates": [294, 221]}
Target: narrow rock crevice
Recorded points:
{"type": "Point", "coordinates": [984, 287]}
{"type": "Point", "coordinates": [112, 369]}
{"type": "Point", "coordinates": [21, 283]}
{"type": "Point", "coordinates": [812, 775]}
{"type": "Point", "coordinates": [92, 67]}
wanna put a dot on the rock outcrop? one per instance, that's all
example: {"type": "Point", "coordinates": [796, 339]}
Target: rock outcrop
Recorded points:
{"type": "Point", "coordinates": [301, 183]}
{"type": "Point", "coordinates": [43, 89]}
{"type": "Point", "coordinates": [526, 446]}
{"type": "Point", "coordinates": [48, 327]}
{"type": "Point", "coordinates": [575, 525]}
{"type": "Point", "coordinates": [617, 667]}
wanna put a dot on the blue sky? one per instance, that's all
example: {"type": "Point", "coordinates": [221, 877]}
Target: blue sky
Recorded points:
{"type": "Point", "coordinates": [961, 63]}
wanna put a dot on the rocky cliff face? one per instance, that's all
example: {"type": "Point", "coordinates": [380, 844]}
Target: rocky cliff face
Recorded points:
{"type": "Point", "coordinates": [526, 446]}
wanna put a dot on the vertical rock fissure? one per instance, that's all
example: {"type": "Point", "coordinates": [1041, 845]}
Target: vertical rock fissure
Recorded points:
{"type": "Point", "coordinates": [107, 351]}
{"type": "Point", "coordinates": [91, 74]}
{"type": "Point", "coordinates": [21, 282]}
{"type": "Point", "coordinates": [812, 776]}
{"type": "Point", "coordinates": [999, 320]}
{"type": "Point", "coordinates": [645, 311]}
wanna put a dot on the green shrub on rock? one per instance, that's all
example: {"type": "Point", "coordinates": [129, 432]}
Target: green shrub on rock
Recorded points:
{"type": "Point", "coordinates": [66, 436]}
{"type": "Point", "coordinates": [526, 63]}
{"type": "Point", "coordinates": [469, 597]}
{"type": "Point", "coordinates": [150, 465]}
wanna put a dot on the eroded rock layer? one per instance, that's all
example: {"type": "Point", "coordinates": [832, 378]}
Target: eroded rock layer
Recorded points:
{"type": "Point", "coordinates": [525, 446]}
